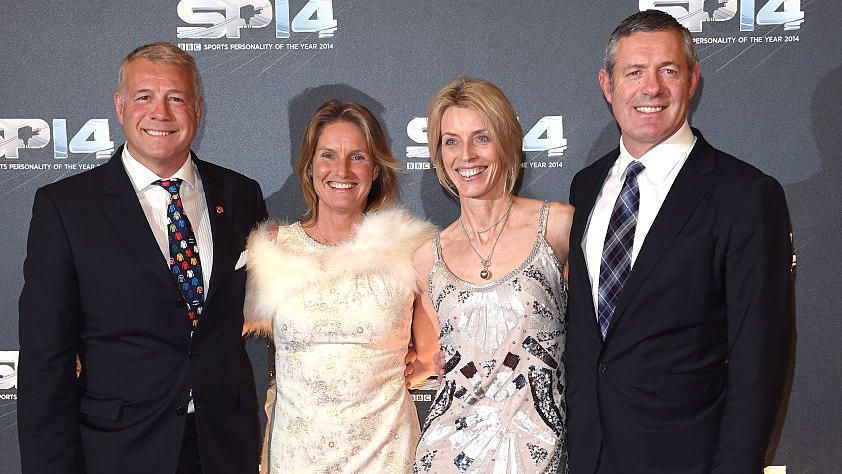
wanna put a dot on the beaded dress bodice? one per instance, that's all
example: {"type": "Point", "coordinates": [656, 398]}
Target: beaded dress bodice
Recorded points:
{"type": "Point", "coordinates": [500, 408]}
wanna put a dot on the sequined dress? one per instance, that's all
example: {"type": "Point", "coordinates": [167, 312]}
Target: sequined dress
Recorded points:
{"type": "Point", "coordinates": [341, 318]}
{"type": "Point", "coordinates": [500, 408]}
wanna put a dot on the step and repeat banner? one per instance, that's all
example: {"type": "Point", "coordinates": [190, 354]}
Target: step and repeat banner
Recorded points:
{"type": "Point", "coordinates": [771, 94]}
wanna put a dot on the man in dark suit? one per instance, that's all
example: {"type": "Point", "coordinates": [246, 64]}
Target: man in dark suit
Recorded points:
{"type": "Point", "coordinates": [680, 286]}
{"type": "Point", "coordinates": [133, 267]}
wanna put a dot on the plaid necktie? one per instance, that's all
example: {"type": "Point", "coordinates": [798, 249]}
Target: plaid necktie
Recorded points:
{"type": "Point", "coordinates": [615, 265]}
{"type": "Point", "coordinates": [184, 252]}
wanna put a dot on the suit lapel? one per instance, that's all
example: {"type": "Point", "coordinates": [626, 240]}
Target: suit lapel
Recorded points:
{"type": "Point", "coordinates": [689, 189]}
{"type": "Point", "coordinates": [585, 200]}
{"type": "Point", "coordinates": [220, 220]}
{"type": "Point", "coordinates": [122, 209]}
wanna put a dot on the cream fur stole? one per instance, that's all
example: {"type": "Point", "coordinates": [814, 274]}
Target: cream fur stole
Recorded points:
{"type": "Point", "coordinates": [383, 245]}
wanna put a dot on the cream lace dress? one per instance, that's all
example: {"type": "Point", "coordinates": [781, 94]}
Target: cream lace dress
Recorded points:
{"type": "Point", "coordinates": [341, 319]}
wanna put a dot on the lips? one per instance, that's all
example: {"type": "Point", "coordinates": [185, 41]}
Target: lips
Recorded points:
{"type": "Point", "coordinates": [648, 109]}
{"type": "Point", "coordinates": [340, 185]}
{"type": "Point", "coordinates": [468, 173]}
{"type": "Point", "coordinates": [157, 133]}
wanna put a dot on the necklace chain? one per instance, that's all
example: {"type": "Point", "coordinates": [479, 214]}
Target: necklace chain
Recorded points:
{"type": "Point", "coordinates": [486, 262]}
{"type": "Point", "coordinates": [505, 214]}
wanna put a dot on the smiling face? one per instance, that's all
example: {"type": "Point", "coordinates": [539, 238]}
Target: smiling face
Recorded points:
{"type": "Point", "coordinates": [159, 112]}
{"type": "Point", "coordinates": [343, 169]}
{"type": "Point", "coordinates": [651, 88]}
{"type": "Point", "coordinates": [469, 156]}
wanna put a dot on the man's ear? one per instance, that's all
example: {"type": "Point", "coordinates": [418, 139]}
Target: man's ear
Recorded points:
{"type": "Point", "coordinates": [118, 106]}
{"type": "Point", "coordinates": [605, 84]}
{"type": "Point", "coordinates": [199, 110]}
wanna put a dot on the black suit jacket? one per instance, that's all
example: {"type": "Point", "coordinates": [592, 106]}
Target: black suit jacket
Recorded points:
{"type": "Point", "coordinates": [97, 285]}
{"type": "Point", "coordinates": [689, 377]}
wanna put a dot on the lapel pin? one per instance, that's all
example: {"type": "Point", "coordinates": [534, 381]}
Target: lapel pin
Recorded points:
{"type": "Point", "coordinates": [219, 209]}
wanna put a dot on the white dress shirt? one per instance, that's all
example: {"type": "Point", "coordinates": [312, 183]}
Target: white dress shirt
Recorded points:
{"type": "Point", "coordinates": [154, 200]}
{"type": "Point", "coordinates": [663, 162]}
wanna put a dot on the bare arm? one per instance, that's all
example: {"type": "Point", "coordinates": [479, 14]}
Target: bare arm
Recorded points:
{"type": "Point", "coordinates": [425, 330]}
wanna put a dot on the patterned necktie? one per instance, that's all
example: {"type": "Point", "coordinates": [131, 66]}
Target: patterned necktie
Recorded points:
{"type": "Point", "coordinates": [184, 252]}
{"type": "Point", "coordinates": [615, 265]}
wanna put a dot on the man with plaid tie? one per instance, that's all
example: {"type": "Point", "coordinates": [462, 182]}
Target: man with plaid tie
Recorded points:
{"type": "Point", "coordinates": [680, 283]}
{"type": "Point", "coordinates": [132, 267]}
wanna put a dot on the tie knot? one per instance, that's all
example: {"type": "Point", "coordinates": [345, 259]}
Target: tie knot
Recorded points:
{"type": "Point", "coordinates": [634, 169]}
{"type": "Point", "coordinates": [171, 185]}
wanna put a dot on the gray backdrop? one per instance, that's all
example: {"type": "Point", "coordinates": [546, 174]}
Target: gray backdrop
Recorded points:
{"type": "Point", "coordinates": [770, 94]}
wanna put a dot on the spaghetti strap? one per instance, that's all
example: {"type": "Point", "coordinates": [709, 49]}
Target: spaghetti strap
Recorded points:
{"type": "Point", "coordinates": [542, 223]}
{"type": "Point", "coordinates": [437, 247]}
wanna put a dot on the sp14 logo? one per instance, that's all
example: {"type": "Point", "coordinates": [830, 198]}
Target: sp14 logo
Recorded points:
{"type": "Point", "coordinates": [225, 18]}
{"type": "Point", "coordinates": [693, 13]}
{"type": "Point", "coordinates": [93, 137]}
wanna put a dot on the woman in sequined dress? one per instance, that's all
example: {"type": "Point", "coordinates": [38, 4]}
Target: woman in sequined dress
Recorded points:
{"type": "Point", "coordinates": [495, 292]}
{"type": "Point", "coordinates": [335, 291]}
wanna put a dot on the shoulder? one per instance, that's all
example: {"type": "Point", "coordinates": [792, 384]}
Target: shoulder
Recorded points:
{"type": "Point", "coordinates": [424, 258]}
{"type": "Point", "coordinates": [594, 170]}
{"type": "Point", "coordinates": [270, 235]}
{"type": "Point", "coordinates": [559, 221]}
{"type": "Point", "coordinates": [221, 172]}
{"type": "Point", "coordinates": [72, 195]}
{"type": "Point", "coordinates": [227, 178]}
{"type": "Point", "coordinates": [560, 214]}
{"type": "Point", "coordinates": [86, 182]}
{"type": "Point", "coordinates": [736, 175]}
{"type": "Point", "coordinates": [394, 225]}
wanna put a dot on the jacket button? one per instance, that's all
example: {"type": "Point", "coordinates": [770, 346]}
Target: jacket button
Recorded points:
{"type": "Point", "coordinates": [602, 368]}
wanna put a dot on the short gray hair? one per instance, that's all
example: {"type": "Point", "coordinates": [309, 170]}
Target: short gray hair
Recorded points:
{"type": "Point", "coordinates": [648, 21]}
{"type": "Point", "coordinates": [161, 52]}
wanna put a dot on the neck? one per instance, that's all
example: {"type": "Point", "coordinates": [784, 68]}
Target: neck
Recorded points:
{"type": "Point", "coordinates": [332, 227]}
{"type": "Point", "coordinates": [478, 215]}
{"type": "Point", "coordinates": [163, 169]}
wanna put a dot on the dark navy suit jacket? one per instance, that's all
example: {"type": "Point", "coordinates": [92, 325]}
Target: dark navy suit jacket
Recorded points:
{"type": "Point", "coordinates": [689, 377]}
{"type": "Point", "coordinates": [96, 285]}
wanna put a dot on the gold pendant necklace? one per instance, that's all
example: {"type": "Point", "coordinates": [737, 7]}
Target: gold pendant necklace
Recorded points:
{"type": "Point", "coordinates": [485, 274]}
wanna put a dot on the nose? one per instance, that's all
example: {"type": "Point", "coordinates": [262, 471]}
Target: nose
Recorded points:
{"type": "Point", "coordinates": [466, 150]}
{"type": "Point", "coordinates": [161, 110]}
{"type": "Point", "coordinates": [653, 85]}
{"type": "Point", "coordinates": [343, 167]}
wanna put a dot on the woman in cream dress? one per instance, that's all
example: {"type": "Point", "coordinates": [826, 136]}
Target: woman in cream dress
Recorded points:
{"type": "Point", "coordinates": [335, 290]}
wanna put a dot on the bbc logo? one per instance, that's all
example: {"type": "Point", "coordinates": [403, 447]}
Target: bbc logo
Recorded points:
{"type": "Point", "coordinates": [190, 46]}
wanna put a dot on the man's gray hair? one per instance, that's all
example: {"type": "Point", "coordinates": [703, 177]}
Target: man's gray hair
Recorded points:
{"type": "Point", "coordinates": [161, 52]}
{"type": "Point", "coordinates": [648, 21]}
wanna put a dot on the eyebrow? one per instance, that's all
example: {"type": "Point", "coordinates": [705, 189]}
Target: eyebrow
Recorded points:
{"type": "Point", "coordinates": [327, 148]}
{"type": "Point", "coordinates": [482, 130]}
{"type": "Point", "coordinates": [644, 66]}
{"type": "Point", "coordinates": [148, 90]}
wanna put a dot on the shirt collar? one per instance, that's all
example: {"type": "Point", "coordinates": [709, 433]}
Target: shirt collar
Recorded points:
{"type": "Point", "coordinates": [142, 177]}
{"type": "Point", "coordinates": [661, 160]}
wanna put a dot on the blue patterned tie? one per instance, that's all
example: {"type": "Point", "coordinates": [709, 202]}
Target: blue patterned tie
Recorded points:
{"type": "Point", "coordinates": [615, 265]}
{"type": "Point", "coordinates": [184, 252]}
